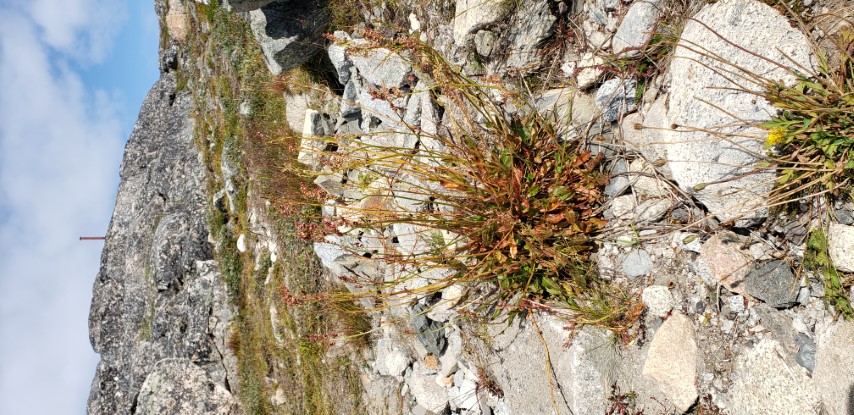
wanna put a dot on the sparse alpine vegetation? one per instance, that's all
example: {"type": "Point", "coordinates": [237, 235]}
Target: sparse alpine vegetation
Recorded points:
{"type": "Point", "coordinates": [418, 213]}
{"type": "Point", "coordinates": [503, 202]}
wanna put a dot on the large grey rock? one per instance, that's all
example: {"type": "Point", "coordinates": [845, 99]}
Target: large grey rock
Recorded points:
{"type": "Point", "coordinates": [840, 246]}
{"type": "Point", "coordinates": [289, 32]}
{"type": "Point", "coordinates": [158, 293]}
{"type": "Point", "coordinates": [338, 56]}
{"type": "Point", "coordinates": [773, 282]}
{"type": "Point", "coordinates": [765, 384]}
{"type": "Point", "coordinates": [637, 27]}
{"type": "Point", "coordinates": [476, 14]}
{"type": "Point", "coordinates": [581, 375]}
{"type": "Point", "coordinates": [616, 97]}
{"type": "Point", "coordinates": [834, 368]}
{"type": "Point", "coordinates": [698, 89]}
{"type": "Point", "coordinates": [380, 66]}
{"type": "Point", "coordinates": [179, 387]}
{"type": "Point", "coordinates": [531, 25]}
{"type": "Point", "coordinates": [672, 361]}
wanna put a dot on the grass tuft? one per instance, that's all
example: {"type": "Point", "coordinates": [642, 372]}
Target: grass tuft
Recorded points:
{"type": "Point", "coordinates": [501, 198]}
{"type": "Point", "coordinates": [811, 139]}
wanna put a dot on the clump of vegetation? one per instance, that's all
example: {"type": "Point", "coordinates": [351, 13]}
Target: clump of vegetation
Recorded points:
{"type": "Point", "coordinates": [622, 403]}
{"type": "Point", "coordinates": [500, 198]}
{"type": "Point", "coordinates": [811, 139]}
{"type": "Point", "coordinates": [811, 146]}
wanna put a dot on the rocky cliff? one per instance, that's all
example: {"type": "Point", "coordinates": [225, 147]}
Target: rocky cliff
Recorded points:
{"type": "Point", "coordinates": [210, 301]}
{"type": "Point", "coordinates": [160, 311]}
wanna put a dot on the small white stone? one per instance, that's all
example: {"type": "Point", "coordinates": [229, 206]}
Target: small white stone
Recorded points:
{"type": "Point", "coordinates": [658, 299]}
{"type": "Point", "coordinates": [414, 24]}
{"type": "Point", "coordinates": [688, 241]}
{"type": "Point", "coordinates": [241, 243]}
{"type": "Point", "coordinates": [840, 246]}
{"type": "Point", "coordinates": [396, 362]}
{"type": "Point", "coordinates": [587, 70]}
{"type": "Point", "coordinates": [623, 206]}
{"type": "Point", "coordinates": [736, 303]}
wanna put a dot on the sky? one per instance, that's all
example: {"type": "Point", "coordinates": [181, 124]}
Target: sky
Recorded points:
{"type": "Point", "coordinates": [73, 74]}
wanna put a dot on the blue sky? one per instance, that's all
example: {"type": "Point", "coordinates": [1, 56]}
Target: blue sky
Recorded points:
{"type": "Point", "coordinates": [73, 74]}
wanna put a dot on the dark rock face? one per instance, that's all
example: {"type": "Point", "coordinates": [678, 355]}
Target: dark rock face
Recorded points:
{"type": "Point", "coordinates": [289, 32]}
{"type": "Point", "coordinates": [247, 5]}
{"type": "Point", "coordinates": [158, 294]}
{"type": "Point", "coordinates": [430, 333]}
{"type": "Point", "coordinates": [774, 283]}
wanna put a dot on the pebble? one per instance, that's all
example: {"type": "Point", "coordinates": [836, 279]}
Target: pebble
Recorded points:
{"type": "Point", "coordinates": [241, 243]}
{"type": "Point", "coordinates": [727, 326]}
{"type": "Point", "coordinates": [774, 283]}
{"type": "Point", "coordinates": [637, 263]}
{"type": "Point", "coordinates": [619, 181]}
{"type": "Point", "coordinates": [736, 304]}
{"type": "Point", "coordinates": [623, 206]}
{"type": "Point", "coordinates": [658, 299]}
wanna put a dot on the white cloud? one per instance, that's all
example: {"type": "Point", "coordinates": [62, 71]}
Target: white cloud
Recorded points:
{"type": "Point", "coordinates": [79, 28]}
{"type": "Point", "coordinates": [60, 146]}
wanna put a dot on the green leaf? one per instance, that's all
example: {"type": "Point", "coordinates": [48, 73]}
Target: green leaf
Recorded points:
{"type": "Point", "coordinates": [505, 158]}
{"type": "Point", "coordinates": [560, 192]}
{"type": "Point", "coordinates": [550, 286]}
{"type": "Point", "coordinates": [786, 176]}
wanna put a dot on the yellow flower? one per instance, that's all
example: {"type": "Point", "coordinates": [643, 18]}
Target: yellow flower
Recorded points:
{"type": "Point", "coordinates": [775, 136]}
